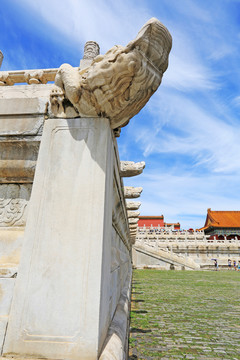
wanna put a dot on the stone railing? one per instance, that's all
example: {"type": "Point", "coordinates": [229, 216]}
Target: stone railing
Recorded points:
{"type": "Point", "coordinates": [193, 245]}
{"type": "Point", "coordinates": [168, 231]}
{"type": "Point", "coordinates": [158, 241]}
{"type": "Point", "coordinates": [177, 237]}
{"type": "Point", "coordinates": [39, 76]}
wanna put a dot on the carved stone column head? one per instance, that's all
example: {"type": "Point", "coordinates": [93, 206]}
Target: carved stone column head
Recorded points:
{"type": "Point", "coordinates": [118, 84]}
{"type": "Point", "coordinates": [91, 50]}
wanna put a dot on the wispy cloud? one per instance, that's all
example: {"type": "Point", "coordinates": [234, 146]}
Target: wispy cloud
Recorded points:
{"type": "Point", "coordinates": [107, 22]}
{"type": "Point", "coordinates": [183, 195]}
{"type": "Point", "coordinates": [195, 131]}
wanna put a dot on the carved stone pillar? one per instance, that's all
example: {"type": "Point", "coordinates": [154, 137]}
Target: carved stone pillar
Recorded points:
{"type": "Point", "coordinates": [91, 50]}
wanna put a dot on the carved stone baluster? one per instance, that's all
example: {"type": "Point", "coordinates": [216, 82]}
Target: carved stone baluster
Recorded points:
{"type": "Point", "coordinates": [35, 77]}
{"type": "Point", "coordinates": [5, 79]}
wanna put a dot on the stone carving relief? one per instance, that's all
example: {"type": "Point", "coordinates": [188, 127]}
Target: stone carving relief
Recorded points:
{"type": "Point", "coordinates": [118, 84]}
{"type": "Point", "coordinates": [133, 220]}
{"type": "Point", "coordinates": [5, 79]}
{"type": "Point", "coordinates": [35, 77]}
{"type": "Point", "coordinates": [13, 203]}
{"type": "Point", "coordinates": [131, 192]}
{"type": "Point", "coordinates": [8, 78]}
{"type": "Point", "coordinates": [133, 214]}
{"type": "Point", "coordinates": [133, 205]}
{"type": "Point", "coordinates": [91, 50]}
{"type": "Point", "coordinates": [130, 168]}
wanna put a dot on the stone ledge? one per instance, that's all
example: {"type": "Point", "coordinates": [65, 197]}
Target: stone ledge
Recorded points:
{"type": "Point", "coordinates": [115, 347]}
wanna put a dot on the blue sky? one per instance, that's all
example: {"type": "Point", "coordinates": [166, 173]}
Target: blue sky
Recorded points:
{"type": "Point", "coordinates": [189, 132]}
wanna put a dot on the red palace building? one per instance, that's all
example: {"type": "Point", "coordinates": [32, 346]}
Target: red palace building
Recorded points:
{"type": "Point", "coordinates": [156, 221]}
{"type": "Point", "coordinates": [219, 224]}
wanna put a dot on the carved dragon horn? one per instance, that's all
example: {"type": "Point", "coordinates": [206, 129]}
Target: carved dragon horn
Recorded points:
{"type": "Point", "coordinates": [155, 42]}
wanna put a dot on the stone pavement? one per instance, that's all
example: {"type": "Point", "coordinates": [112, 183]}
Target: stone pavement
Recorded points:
{"type": "Point", "coordinates": [185, 315]}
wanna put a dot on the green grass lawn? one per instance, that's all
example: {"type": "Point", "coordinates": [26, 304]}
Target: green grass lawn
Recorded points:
{"type": "Point", "coordinates": [185, 315]}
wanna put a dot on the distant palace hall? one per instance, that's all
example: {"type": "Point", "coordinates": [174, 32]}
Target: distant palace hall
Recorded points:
{"type": "Point", "coordinates": [220, 224]}
{"type": "Point", "coordinates": [156, 221]}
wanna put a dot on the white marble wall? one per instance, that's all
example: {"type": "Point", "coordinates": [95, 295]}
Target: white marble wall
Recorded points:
{"type": "Point", "coordinates": [76, 255]}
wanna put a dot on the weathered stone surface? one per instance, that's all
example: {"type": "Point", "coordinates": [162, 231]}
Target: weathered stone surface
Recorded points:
{"type": "Point", "coordinates": [133, 205]}
{"type": "Point", "coordinates": [9, 78]}
{"type": "Point", "coordinates": [119, 214]}
{"type": "Point", "coordinates": [61, 246]}
{"type": "Point", "coordinates": [91, 50]}
{"type": "Point", "coordinates": [117, 132]}
{"type": "Point", "coordinates": [20, 105]}
{"type": "Point", "coordinates": [116, 344]}
{"type": "Point", "coordinates": [13, 203]}
{"type": "Point", "coordinates": [18, 161]}
{"type": "Point", "coordinates": [133, 214]}
{"type": "Point", "coordinates": [131, 192]}
{"type": "Point", "coordinates": [133, 222]}
{"type": "Point", "coordinates": [11, 239]}
{"type": "Point", "coordinates": [164, 255]}
{"type": "Point", "coordinates": [133, 233]}
{"type": "Point", "coordinates": [6, 293]}
{"type": "Point", "coordinates": [118, 84]}
{"type": "Point", "coordinates": [130, 168]}
{"type": "Point", "coordinates": [22, 109]}
{"type": "Point", "coordinates": [132, 227]}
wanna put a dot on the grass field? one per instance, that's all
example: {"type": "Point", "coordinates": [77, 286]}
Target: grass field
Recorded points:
{"type": "Point", "coordinates": [185, 315]}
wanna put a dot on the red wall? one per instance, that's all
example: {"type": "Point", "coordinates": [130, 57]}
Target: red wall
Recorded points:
{"type": "Point", "coordinates": [151, 221]}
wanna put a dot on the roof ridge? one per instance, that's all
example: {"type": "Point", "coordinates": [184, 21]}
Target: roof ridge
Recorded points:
{"type": "Point", "coordinates": [225, 210]}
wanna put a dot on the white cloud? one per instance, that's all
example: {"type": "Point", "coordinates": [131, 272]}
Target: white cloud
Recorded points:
{"type": "Point", "coordinates": [108, 23]}
{"type": "Point", "coordinates": [182, 126]}
{"type": "Point", "coordinates": [186, 74]}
